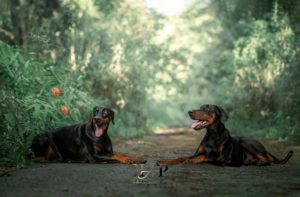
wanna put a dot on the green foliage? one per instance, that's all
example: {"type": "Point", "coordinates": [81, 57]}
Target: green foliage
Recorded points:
{"type": "Point", "coordinates": [260, 60]}
{"type": "Point", "coordinates": [261, 57]}
{"type": "Point", "coordinates": [27, 106]}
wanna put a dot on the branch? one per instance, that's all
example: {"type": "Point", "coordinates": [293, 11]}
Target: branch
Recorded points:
{"type": "Point", "coordinates": [7, 33]}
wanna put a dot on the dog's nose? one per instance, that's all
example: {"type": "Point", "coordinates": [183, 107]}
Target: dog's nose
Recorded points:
{"type": "Point", "coordinates": [190, 112]}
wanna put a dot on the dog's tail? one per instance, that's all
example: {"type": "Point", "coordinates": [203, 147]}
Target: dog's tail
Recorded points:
{"type": "Point", "coordinates": [282, 161]}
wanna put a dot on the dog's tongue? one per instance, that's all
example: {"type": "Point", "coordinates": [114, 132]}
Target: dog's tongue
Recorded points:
{"type": "Point", "coordinates": [195, 124]}
{"type": "Point", "coordinates": [198, 124]}
{"type": "Point", "coordinates": [99, 131]}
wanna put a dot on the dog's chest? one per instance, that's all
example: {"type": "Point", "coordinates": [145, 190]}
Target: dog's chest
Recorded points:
{"type": "Point", "coordinates": [100, 149]}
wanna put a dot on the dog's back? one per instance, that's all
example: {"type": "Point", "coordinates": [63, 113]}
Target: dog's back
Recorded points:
{"type": "Point", "coordinates": [61, 144]}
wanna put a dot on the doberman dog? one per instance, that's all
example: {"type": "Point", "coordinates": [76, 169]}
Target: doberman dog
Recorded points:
{"type": "Point", "coordinates": [219, 147]}
{"type": "Point", "coordinates": [87, 142]}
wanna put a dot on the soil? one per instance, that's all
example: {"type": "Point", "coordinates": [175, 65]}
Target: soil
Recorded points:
{"type": "Point", "coordinates": [74, 179]}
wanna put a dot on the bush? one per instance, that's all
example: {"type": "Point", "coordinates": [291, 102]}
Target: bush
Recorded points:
{"type": "Point", "coordinates": [262, 60]}
{"type": "Point", "coordinates": [27, 106]}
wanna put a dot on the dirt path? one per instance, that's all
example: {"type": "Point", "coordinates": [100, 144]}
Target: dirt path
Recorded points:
{"type": "Point", "coordinates": [181, 180]}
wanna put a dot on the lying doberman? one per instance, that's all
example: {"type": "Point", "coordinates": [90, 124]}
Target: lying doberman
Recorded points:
{"type": "Point", "coordinates": [87, 142]}
{"type": "Point", "coordinates": [219, 147]}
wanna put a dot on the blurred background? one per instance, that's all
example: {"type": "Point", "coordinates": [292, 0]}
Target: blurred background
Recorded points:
{"type": "Point", "coordinates": [151, 61]}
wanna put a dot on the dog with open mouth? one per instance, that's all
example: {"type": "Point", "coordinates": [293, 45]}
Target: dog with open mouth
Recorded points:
{"type": "Point", "coordinates": [219, 147]}
{"type": "Point", "coordinates": [87, 142]}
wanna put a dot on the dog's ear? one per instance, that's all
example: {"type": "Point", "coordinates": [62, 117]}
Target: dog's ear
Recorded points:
{"type": "Point", "coordinates": [113, 117]}
{"type": "Point", "coordinates": [223, 115]}
{"type": "Point", "coordinates": [94, 108]}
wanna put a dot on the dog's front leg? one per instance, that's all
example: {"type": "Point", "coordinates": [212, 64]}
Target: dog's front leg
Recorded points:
{"type": "Point", "coordinates": [104, 158]}
{"type": "Point", "coordinates": [197, 160]}
{"type": "Point", "coordinates": [125, 159]}
{"type": "Point", "coordinates": [119, 158]}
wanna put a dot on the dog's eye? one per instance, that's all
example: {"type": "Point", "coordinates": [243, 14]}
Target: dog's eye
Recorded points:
{"type": "Point", "coordinates": [104, 112]}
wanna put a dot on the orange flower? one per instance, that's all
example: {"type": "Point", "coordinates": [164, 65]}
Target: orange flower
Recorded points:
{"type": "Point", "coordinates": [65, 110]}
{"type": "Point", "coordinates": [56, 92]}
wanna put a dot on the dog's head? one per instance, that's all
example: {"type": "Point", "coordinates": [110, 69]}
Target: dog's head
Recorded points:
{"type": "Point", "coordinates": [207, 115]}
{"type": "Point", "coordinates": [101, 118]}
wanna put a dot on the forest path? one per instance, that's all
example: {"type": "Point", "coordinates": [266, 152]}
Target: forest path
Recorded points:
{"type": "Point", "coordinates": [180, 180]}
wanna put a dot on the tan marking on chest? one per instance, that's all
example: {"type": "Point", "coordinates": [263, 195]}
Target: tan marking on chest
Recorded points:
{"type": "Point", "coordinates": [50, 154]}
{"type": "Point", "coordinates": [200, 150]}
{"type": "Point", "coordinates": [109, 148]}
{"type": "Point", "coordinates": [98, 149]}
